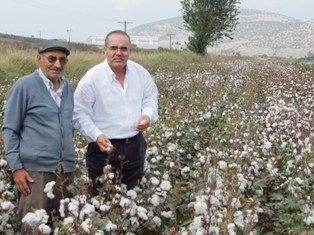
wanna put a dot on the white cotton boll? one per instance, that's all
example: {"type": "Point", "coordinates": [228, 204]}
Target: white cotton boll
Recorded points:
{"type": "Point", "coordinates": [99, 232]}
{"type": "Point", "coordinates": [110, 226]}
{"type": "Point", "coordinates": [201, 231]}
{"type": "Point", "coordinates": [238, 218]}
{"type": "Point", "coordinates": [171, 147]}
{"type": "Point", "coordinates": [49, 189]}
{"type": "Point", "coordinates": [38, 217]}
{"type": "Point", "coordinates": [235, 203]}
{"type": "Point", "coordinates": [200, 207]}
{"type": "Point", "coordinates": [231, 232]}
{"type": "Point", "coordinates": [132, 210]}
{"type": "Point", "coordinates": [7, 206]}
{"type": "Point", "coordinates": [95, 202]}
{"type": "Point", "coordinates": [197, 146]}
{"type": "Point", "coordinates": [73, 208]}
{"type": "Point", "coordinates": [68, 220]}
{"type": "Point", "coordinates": [166, 176]}
{"type": "Point", "coordinates": [214, 201]}
{"type": "Point", "coordinates": [44, 229]}
{"type": "Point", "coordinates": [142, 213]}
{"type": "Point", "coordinates": [155, 201]}
{"type": "Point", "coordinates": [309, 220]}
{"type": "Point", "coordinates": [3, 163]}
{"type": "Point", "coordinates": [207, 115]}
{"type": "Point", "coordinates": [86, 210]}
{"type": "Point", "coordinates": [171, 164]}
{"type": "Point", "coordinates": [219, 184]}
{"type": "Point", "coordinates": [185, 170]}
{"type": "Point", "coordinates": [125, 202]}
{"type": "Point", "coordinates": [196, 224]}
{"type": "Point", "coordinates": [202, 159]}
{"type": "Point", "coordinates": [222, 165]}
{"type": "Point", "coordinates": [213, 230]}
{"type": "Point", "coordinates": [167, 214]}
{"type": "Point", "coordinates": [231, 226]}
{"type": "Point", "coordinates": [104, 208]}
{"type": "Point", "coordinates": [61, 208]}
{"type": "Point", "coordinates": [165, 185]}
{"type": "Point", "coordinates": [131, 193]}
{"type": "Point", "coordinates": [157, 221]}
{"type": "Point", "coordinates": [111, 175]}
{"type": "Point", "coordinates": [154, 181]}
{"type": "Point", "coordinates": [86, 225]}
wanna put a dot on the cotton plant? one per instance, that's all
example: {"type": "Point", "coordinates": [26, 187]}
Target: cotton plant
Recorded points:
{"type": "Point", "coordinates": [230, 141]}
{"type": "Point", "coordinates": [7, 200]}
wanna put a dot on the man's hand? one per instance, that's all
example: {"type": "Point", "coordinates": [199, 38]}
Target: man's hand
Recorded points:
{"type": "Point", "coordinates": [22, 179]}
{"type": "Point", "coordinates": [143, 123]}
{"type": "Point", "coordinates": [104, 144]}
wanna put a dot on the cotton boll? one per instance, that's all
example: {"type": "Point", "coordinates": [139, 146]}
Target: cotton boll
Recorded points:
{"type": "Point", "coordinates": [49, 189]}
{"type": "Point", "coordinates": [155, 201]}
{"type": "Point", "coordinates": [110, 226]}
{"type": "Point", "coordinates": [222, 165]}
{"type": "Point", "coordinates": [165, 185]}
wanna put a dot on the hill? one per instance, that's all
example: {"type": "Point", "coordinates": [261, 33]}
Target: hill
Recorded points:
{"type": "Point", "coordinates": [258, 33]}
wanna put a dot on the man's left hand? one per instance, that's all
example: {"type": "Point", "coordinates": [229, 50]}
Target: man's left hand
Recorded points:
{"type": "Point", "coordinates": [143, 123]}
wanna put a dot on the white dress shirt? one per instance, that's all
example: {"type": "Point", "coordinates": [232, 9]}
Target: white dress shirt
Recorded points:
{"type": "Point", "coordinates": [103, 106]}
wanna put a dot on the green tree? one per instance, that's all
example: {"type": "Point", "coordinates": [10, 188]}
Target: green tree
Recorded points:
{"type": "Point", "coordinates": [208, 21]}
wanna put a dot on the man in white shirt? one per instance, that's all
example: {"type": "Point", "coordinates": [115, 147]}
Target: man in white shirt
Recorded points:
{"type": "Point", "coordinates": [114, 103]}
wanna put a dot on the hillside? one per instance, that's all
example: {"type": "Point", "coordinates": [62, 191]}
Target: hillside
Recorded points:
{"type": "Point", "coordinates": [258, 33]}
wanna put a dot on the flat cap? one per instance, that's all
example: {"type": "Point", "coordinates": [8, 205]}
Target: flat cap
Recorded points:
{"type": "Point", "coordinates": [52, 45]}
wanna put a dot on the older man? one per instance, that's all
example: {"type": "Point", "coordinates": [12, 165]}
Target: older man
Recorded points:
{"type": "Point", "coordinates": [38, 132]}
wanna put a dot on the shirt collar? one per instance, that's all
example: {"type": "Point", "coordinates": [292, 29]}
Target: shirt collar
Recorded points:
{"type": "Point", "coordinates": [47, 82]}
{"type": "Point", "coordinates": [112, 74]}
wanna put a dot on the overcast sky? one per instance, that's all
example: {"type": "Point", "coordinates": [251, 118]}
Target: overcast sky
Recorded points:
{"type": "Point", "coordinates": [79, 19]}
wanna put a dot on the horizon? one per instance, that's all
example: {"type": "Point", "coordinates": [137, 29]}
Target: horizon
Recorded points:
{"type": "Point", "coordinates": [59, 19]}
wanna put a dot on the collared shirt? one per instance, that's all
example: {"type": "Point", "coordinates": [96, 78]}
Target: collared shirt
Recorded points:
{"type": "Point", "coordinates": [103, 106]}
{"type": "Point", "coordinates": [56, 95]}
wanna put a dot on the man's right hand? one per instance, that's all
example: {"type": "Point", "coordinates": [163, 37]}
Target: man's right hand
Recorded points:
{"type": "Point", "coordinates": [104, 144]}
{"type": "Point", "coordinates": [21, 179]}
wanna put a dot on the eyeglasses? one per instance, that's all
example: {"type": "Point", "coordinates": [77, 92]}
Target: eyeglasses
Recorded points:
{"type": "Point", "coordinates": [52, 59]}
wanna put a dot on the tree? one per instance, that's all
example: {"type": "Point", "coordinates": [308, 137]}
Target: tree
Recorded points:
{"type": "Point", "coordinates": [209, 21]}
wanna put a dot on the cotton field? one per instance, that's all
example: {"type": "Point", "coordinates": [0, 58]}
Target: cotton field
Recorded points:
{"type": "Point", "coordinates": [232, 153]}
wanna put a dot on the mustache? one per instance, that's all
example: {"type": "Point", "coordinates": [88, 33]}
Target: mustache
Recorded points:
{"type": "Point", "coordinates": [56, 69]}
{"type": "Point", "coordinates": [118, 57]}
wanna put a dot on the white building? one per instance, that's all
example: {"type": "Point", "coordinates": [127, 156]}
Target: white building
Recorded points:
{"type": "Point", "coordinates": [138, 41]}
{"type": "Point", "coordinates": [145, 42]}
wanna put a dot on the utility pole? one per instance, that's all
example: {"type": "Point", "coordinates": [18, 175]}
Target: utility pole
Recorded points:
{"type": "Point", "coordinates": [69, 31]}
{"type": "Point", "coordinates": [170, 40]}
{"type": "Point", "coordinates": [125, 23]}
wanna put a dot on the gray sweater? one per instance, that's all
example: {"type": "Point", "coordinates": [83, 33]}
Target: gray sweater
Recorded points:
{"type": "Point", "coordinates": [37, 134]}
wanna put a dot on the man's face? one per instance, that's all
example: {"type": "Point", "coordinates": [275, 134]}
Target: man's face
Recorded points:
{"type": "Point", "coordinates": [52, 63]}
{"type": "Point", "coordinates": [117, 51]}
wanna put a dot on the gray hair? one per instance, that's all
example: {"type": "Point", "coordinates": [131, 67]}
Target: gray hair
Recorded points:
{"type": "Point", "coordinates": [117, 32]}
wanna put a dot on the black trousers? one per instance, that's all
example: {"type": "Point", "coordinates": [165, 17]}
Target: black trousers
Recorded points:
{"type": "Point", "coordinates": [127, 159]}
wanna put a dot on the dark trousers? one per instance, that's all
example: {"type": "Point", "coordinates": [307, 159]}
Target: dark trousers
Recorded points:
{"type": "Point", "coordinates": [38, 199]}
{"type": "Point", "coordinates": [127, 159]}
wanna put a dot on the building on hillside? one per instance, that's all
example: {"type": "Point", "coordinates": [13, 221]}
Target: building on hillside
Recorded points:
{"type": "Point", "coordinates": [145, 42]}
{"type": "Point", "coordinates": [96, 40]}
{"type": "Point", "coordinates": [138, 41]}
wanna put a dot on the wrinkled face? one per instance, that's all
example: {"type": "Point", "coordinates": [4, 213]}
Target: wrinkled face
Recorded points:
{"type": "Point", "coordinates": [52, 63]}
{"type": "Point", "coordinates": [117, 51]}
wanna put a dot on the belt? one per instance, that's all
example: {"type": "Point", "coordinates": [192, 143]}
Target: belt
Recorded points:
{"type": "Point", "coordinates": [124, 141]}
